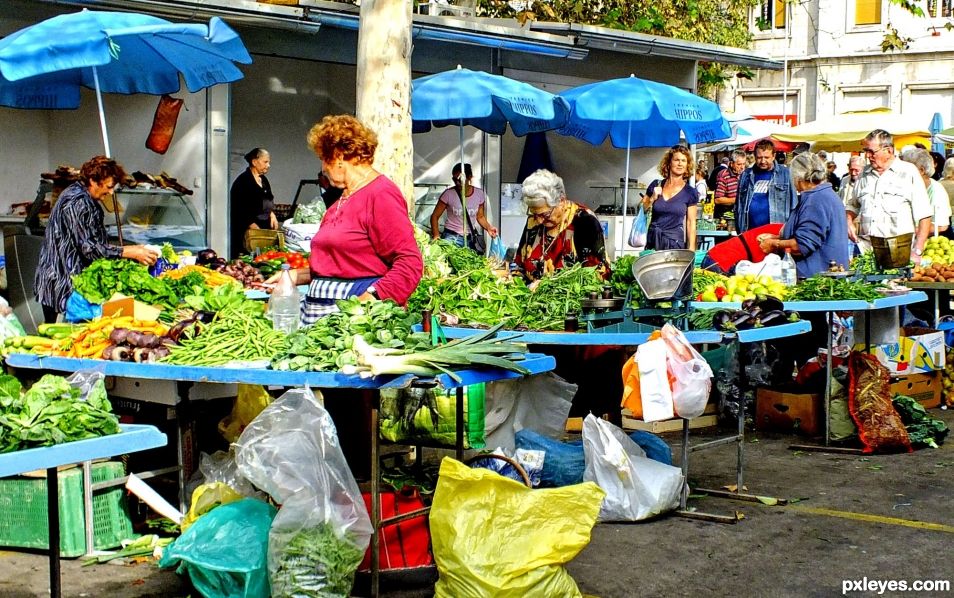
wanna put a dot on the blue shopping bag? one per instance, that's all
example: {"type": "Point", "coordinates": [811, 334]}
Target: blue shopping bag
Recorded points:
{"type": "Point", "coordinates": [497, 249]}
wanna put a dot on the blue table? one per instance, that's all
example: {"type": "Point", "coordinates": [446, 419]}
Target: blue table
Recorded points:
{"type": "Point", "coordinates": [535, 363]}
{"type": "Point", "coordinates": [828, 308]}
{"type": "Point", "coordinates": [132, 438]}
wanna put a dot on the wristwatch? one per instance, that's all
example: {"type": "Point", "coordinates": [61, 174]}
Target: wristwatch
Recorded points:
{"type": "Point", "coordinates": [372, 291]}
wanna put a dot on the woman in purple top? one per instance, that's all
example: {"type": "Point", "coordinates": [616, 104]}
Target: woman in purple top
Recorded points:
{"type": "Point", "coordinates": [454, 225]}
{"type": "Point", "coordinates": [673, 201]}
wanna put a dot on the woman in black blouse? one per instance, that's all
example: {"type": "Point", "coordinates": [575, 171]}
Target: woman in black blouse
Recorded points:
{"type": "Point", "coordinates": [251, 201]}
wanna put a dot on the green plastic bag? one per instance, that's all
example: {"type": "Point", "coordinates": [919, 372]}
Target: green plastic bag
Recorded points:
{"type": "Point", "coordinates": [224, 551]}
{"type": "Point", "coordinates": [433, 417]}
{"type": "Point", "coordinates": [493, 536]}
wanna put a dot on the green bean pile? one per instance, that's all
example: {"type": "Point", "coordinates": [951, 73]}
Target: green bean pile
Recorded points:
{"type": "Point", "coordinates": [238, 333]}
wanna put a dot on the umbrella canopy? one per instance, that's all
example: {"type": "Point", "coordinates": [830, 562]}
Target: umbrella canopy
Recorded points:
{"type": "Point", "coordinates": [744, 132]}
{"type": "Point", "coordinates": [946, 135]}
{"type": "Point", "coordinates": [634, 112]}
{"type": "Point", "coordinates": [488, 102]}
{"type": "Point", "coordinates": [845, 132]}
{"type": "Point", "coordinates": [936, 126]}
{"type": "Point", "coordinates": [44, 65]}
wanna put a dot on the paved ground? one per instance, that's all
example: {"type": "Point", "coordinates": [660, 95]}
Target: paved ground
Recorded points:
{"type": "Point", "coordinates": [882, 518]}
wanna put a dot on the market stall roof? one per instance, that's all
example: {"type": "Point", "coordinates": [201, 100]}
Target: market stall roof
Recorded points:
{"type": "Point", "coordinates": [558, 40]}
{"type": "Point", "coordinates": [629, 42]}
{"type": "Point", "coordinates": [845, 132]}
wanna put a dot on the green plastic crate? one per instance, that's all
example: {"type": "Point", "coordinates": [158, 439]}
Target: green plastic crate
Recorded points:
{"type": "Point", "coordinates": [23, 511]}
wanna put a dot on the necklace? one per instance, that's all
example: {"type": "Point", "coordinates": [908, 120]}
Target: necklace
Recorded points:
{"type": "Point", "coordinates": [349, 192]}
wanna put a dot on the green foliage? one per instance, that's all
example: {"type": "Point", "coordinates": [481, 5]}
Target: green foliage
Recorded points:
{"type": "Point", "coordinates": [105, 277]}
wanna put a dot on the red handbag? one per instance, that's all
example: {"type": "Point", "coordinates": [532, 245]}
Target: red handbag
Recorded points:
{"type": "Point", "coordinates": [403, 545]}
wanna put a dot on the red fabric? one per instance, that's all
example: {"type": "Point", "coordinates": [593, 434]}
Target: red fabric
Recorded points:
{"type": "Point", "coordinates": [728, 253]}
{"type": "Point", "coordinates": [406, 544]}
{"type": "Point", "coordinates": [370, 234]}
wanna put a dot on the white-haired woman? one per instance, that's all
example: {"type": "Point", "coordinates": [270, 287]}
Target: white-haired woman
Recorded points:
{"type": "Point", "coordinates": [940, 202]}
{"type": "Point", "coordinates": [559, 232]}
{"type": "Point", "coordinates": [947, 179]}
{"type": "Point", "coordinates": [816, 232]}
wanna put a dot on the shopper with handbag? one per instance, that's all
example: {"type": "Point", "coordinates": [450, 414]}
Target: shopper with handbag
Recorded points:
{"type": "Point", "coordinates": [460, 223]}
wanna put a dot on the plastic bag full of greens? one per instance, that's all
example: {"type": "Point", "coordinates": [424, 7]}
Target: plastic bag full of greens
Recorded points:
{"type": "Point", "coordinates": [322, 530]}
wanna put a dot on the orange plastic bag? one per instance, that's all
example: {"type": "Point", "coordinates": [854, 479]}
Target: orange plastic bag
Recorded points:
{"type": "Point", "coordinates": [164, 124]}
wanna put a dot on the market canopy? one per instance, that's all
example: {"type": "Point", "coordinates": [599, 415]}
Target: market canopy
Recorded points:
{"type": "Point", "coordinates": [845, 132]}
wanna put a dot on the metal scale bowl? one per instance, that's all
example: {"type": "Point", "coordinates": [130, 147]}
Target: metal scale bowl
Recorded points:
{"type": "Point", "coordinates": [664, 279]}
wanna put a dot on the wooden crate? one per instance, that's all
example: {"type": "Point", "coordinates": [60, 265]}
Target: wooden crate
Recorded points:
{"type": "Point", "coordinates": [706, 420]}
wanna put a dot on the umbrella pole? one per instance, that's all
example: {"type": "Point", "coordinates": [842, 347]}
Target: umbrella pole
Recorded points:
{"type": "Point", "coordinates": [463, 183]}
{"type": "Point", "coordinates": [102, 125]}
{"type": "Point", "coordinates": [629, 131]}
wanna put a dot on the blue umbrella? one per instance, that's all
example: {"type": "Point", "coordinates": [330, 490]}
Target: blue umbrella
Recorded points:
{"type": "Point", "coordinates": [488, 102]}
{"type": "Point", "coordinates": [634, 112]}
{"type": "Point", "coordinates": [44, 65]}
{"type": "Point", "coordinates": [937, 125]}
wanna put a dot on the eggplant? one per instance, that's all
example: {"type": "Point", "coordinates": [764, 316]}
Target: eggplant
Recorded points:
{"type": "Point", "coordinates": [134, 338]}
{"type": "Point", "coordinates": [769, 303]}
{"type": "Point", "coordinates": [206, 256]}
{"type": "Point", "coordinates": [773, 318]}
{"type": "Point", "coordinates": [118, 335]}
{"type": "Point", "coordinates": [754, 311]}
{"type": "Point", "coordinates": [747, 304]}
{"type": "Point", "coordinates": [742, 321]}
{"type": "Point", "coordinates": [720, 319]}
{"type": "Point", "coordinates": [149, 340]}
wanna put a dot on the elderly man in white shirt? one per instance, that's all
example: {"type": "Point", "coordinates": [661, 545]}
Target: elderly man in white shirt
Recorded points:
{"type": "Point", "coordinates": [847, 188]}
{"type": "Point", "coordinates": [889, 198]}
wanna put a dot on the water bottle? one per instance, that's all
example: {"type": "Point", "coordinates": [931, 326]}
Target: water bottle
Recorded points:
{"type": "Point", "coordinates": [284, 305]}
{"type": "Point", "coordinates": [788, 269]}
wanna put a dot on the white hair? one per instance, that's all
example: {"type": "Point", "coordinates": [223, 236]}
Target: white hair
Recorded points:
{"type": "Point", "coordinates": [948, 172]}
{"type": "Point", "coordinates": [921, 159]}
{"type": "Point", "coordinates": [808, 167]}
{"type": "Point", "coordinates": [542, 187]}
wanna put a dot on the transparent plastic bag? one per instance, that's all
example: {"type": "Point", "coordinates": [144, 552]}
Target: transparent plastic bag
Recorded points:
{"type": "Point", "coordinates": [693, 376]}
{"type": "Point", "coordinates": [220, 467]}
{"type": "Point", "coordinates": [636, 487]}
{"type": "Point", "coordinates": [320, 534]}
{"type": "Point", "coordinates": [540, 403]}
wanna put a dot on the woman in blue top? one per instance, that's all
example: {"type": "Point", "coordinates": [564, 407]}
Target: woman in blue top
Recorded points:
{"type": "Point", "coordinates": [673, 202]}
{"type": "Point", "coordinates": [817, 231]}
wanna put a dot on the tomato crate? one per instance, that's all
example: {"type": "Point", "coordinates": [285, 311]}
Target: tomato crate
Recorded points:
{"type": "Point", "coordinates": [23, 511]}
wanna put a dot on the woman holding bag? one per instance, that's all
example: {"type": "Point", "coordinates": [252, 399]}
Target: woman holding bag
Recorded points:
{"type": "Point", "coordinates": [457, 219]}
{"type": "Point", "coordinates": [674, 203]}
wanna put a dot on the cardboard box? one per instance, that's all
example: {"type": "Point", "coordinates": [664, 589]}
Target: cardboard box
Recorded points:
{"type": "Point", "coordinates": [918, 350]}
{"type": "Point", "coordinates": [780, 411]}
{"type": "Point", "coordinates": [923, 388]}
{"type": "Point", "coordinates": [121, 305]}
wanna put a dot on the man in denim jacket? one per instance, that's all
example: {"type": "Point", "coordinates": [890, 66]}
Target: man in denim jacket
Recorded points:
{"type": "Point", "coordinates": [766, 193]}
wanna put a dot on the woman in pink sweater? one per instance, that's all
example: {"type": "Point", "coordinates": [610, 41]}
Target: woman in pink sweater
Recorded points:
{"type": "Point", "coordinates": [365, 246]}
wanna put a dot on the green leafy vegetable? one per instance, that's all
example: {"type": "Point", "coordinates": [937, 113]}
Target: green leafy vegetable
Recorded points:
{"type": "Point", "coordinates": [105, 277]}
{"type": "Point", "coordinates": [51, 412]}
{"type": "Point", "coordinates": [317, 562]}
{"type": "Point", "coordinates": [622, 277]}
{"type": "Point", "coordinates": [823, 288]}
{"type": "Point", "coordinates": [923, 428]}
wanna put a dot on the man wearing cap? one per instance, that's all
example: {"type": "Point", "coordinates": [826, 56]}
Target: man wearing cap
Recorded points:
{"type": "Point", "coordinates": [889, 198]}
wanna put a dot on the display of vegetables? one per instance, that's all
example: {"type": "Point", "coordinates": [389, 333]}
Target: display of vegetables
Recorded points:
{"type": "Point", "coordinates": [740, 287]}
{"type": "Point", "coordinates": [475, 351]}
{"type": "Point", "coordinates": [216, 299]}
{"type": "Point", "coordinates": [210, 277]}
{"type": "Point", "coordinates": [477, 298]}
{"type": "Point", "coordinates": [753, 313]}
{"type": "Point", "coordinates": [326, 344]}
{"type": "Point", "coordinates": [622, 277]}
{"type": "Point", "coordinates": [826, 288]}
{"type": "Point", "coordinates": [106, 277]}
{"type": "Point", "coordinates": [51, 412]}
{"type": "Point", "coordinates": [933, 273]}
{"type": "Point", "coordinates": [239, 333]}
{"type": "Point", "coordinates": [557, 295]}
{"type": "Point", "coordinates": [703, 279]}
{"type": "Point", "coordinates": [923, 428]}
{"type": "Point", "coordinates": [139, 347]}
{"type": "Point", "coordinates": [866, 264]}
{"type": "Point", "coordinates": [938, 250]}
{"type": "Point", "coordinates": [248, 275]}
{"type": "Point", "coordinates": [271, 261]}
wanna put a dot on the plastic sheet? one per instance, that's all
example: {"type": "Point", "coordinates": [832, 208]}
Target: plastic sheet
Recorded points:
{"type": "Point", "coordinates": [540, 403]}
{"type": "Point", "coordinates": [495, 537]}
{"type": "Point", "coordinates": [224, 552]}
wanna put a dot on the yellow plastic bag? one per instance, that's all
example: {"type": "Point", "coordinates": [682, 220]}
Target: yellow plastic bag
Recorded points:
{"type": "Point", "coordinates": [251, 399]}
{"type": "Point", "coordinates": [205, 498]}
{"type": "Point", "coordinates": [493, 536]}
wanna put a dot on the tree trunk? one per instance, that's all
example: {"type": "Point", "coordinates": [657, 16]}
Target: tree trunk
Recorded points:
{"type": "Point", "coordinates": [384, 87]}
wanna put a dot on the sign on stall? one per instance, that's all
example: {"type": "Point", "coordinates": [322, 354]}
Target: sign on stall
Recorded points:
{"type": "Point", "coordinates": [917, 350]}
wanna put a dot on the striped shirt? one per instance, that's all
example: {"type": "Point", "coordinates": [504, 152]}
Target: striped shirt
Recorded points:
{"type": "Point", "coordinates": [727, 184]}
{"type": "Point", "coordinates": [75, 237]}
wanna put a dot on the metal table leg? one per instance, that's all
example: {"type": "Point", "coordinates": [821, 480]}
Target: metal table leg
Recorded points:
{"type": "Point", "coordinates": [375, 497]}
{"type": "Point", "coordinates": [53, 518]}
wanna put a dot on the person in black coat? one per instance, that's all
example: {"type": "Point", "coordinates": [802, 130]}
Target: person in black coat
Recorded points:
{"type": "Point", "coordinates": [251, 203]}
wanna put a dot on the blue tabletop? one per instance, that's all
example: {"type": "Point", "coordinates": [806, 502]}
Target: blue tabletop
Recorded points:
{"type": "Point", "coordinates": [695, 337]}
{"type": "Point", "coordinates": [536, 363]}
{"type": "Point", "coordinates": [849, 305]}
{"type": "Point", "coordinates": [132, 438]}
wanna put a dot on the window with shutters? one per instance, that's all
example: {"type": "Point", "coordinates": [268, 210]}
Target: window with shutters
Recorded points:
{"type": "Point", "coordinates": [770, 15]}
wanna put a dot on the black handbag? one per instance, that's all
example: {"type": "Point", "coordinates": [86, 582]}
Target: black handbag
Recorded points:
{"type": "Point", "coordinates": [475, 235]}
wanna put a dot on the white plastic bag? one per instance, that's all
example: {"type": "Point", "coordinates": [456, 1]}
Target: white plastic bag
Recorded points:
{"type": "Point", "coordinates": [298, 236]}
{"type": "Point", "coordinates": [654, 381]}
{"type": "Point", "coordinates": [639, 233]}
{"type": "Point", "coordinates": [539, 403]}
{"type": "Point", "coordinates": [291, 451]}
{"type": "Point", "coordinates": [693, 376]}
{"type": "Point", "coordinates": [636, 487]}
